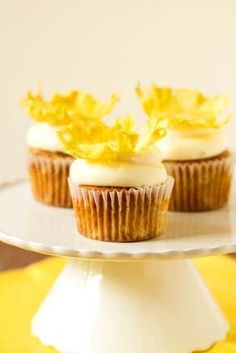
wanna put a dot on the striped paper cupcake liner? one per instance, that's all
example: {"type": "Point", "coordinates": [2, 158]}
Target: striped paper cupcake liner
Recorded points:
{"type": "Point", "coordinates": [121, 214]}
{"type": "Point", "coordinates": [200, 185]}
{"type": "Point", "coordinates": [49, 179]}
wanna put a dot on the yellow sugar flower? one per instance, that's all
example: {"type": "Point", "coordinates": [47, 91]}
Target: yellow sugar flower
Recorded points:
{"type": "Point", "coordinates": [184, 108]}
{"type": "Point", "coordinates": [99, 142]}
{"type": "Point", "coordinates": [63, 109]}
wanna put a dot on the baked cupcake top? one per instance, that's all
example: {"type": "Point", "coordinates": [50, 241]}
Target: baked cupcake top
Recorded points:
{"type": "Point", "coordinates": [59, 110]}
{"type": "Point", "coordinates": [196, 124]}
{"type": "Point", "coordinates": [115, 154]}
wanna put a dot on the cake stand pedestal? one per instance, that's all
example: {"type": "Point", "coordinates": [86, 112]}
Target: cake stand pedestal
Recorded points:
{"type": "Point", "coordinates": [122, 298]}
{"type": "Point", "coordinates": [131, 307]}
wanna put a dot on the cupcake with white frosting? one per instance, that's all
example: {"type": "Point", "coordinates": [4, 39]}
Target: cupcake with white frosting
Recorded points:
{"type": "Point", "coordinates": [119, 186]}
{"type": "Point", "coordinates": [195, 148]}
{"type": "Point", "coordinates": [48, 162]}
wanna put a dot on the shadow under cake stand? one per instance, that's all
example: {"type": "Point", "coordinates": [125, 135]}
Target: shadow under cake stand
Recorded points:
{"type": "Point", "coordinates": [122, 297]}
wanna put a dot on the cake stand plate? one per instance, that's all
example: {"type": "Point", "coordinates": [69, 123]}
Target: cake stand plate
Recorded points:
{"type": "Point", "coordinates": [49, 230]}
{"type": "Point", "coordinates": [122, 306]}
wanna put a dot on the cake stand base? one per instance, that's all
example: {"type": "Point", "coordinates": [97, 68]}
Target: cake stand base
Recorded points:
{"type": "Point", "coordinates": [129, 307]}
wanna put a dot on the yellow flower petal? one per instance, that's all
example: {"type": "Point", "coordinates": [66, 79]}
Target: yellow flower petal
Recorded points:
{"type": "Point", "coordinates": [99, 142]}
{"type": "Point", "coordinates": [63, 109]}
{"type": "Point", "coordinates": [184, 108]}
{"type": "Point", "coordinates": [153, 132]}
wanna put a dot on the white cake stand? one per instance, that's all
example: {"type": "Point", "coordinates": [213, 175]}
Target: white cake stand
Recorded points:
{"type": "Point", "coordinates": [139, 297]}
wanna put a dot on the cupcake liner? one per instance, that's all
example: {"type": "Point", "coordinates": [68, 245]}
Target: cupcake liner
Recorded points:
{"type": "Point", "coordinates": [121, 214]}
{"type": "Point", "coordinates": [200, 185]}
{"type": "Point", "coordinates": [49, 178]}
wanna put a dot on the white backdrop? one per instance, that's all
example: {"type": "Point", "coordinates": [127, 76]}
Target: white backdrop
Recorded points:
{"type": "Point", "coordinates": [106, 45]}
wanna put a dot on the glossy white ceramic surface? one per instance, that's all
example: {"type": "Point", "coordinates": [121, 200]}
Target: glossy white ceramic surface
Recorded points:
{"type": "Point", "coordinates": [30, 225]}
{"type": "Point", "coordinates": [129, 307]}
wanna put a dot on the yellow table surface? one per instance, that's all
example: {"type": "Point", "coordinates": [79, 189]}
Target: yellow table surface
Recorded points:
{"type": "Point", "coordinates": [22, 291]}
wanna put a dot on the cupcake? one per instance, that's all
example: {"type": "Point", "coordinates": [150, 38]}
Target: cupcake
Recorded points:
{"type": "Point", "coordinates": [48, 162]}
{"type": "Point", "coordinates": [119, 186]}
{"type": "Point", "coordinates": [195, 148]}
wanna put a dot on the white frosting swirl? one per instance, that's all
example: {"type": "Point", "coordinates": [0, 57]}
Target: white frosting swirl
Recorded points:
{"type": "Point", "coordinates": [43, 136]}
{"type": "Point", "coordinates": [121, 174]}
{"type": "Point", "coordinates": [192, 145]}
